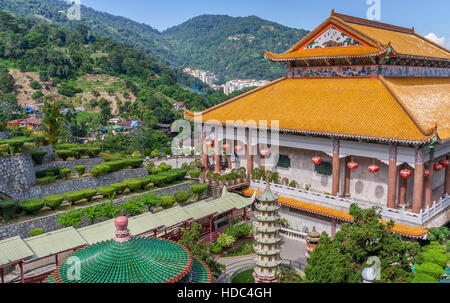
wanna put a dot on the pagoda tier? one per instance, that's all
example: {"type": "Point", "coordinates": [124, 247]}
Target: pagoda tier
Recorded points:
{"type": "Point", "coordinates": [267, 238]}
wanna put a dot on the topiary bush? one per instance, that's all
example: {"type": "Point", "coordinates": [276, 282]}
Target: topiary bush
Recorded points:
{"type": "Point", "coordinates": [119, 187]}
{"type": "Point", "coordinates": [4, 149]}
{"type": "Point", "coordinates": [171, 176]}
{"type": "Point", "coordinates": [195, 173]}
{"type": "Point", "coordinates": [89, 193]}
{"type": "Point", "coordinates": [38, 156]}
{"type": "Point", "coordinates": [134, 162]}
{"type": "Point", "coordinates": [63, 154]}
{"type": "Point", "coordinates": [53, 201]}
{"type": "Point", "coordinates": [133, 185]}
{"type": "Point", "coordinates": [32, 206]}
{"type": "Point", "coordinates": [99, 170]}
{"type": "Point", "coordinates": [181, 196]}
{"type": "Point", "coordinates": [107, 191]}
{"type": "Point", "coordinates": [80, 169]}
{"type": "Point", "coordinates": [430, 269]}
{"type": "Point", "coordinates": [154, 171]}
{"type": "Point", "coordinates": [46, 180]}
{"type": "Point", "coordinates": [79, 152]}
{"type": "Point", "coordinates": [116, 165]}
{"type": "Point", "coordinates": [65, 173]}
{"type": "Point", "coordinates": [28, 148]}
{"type": "Point", "coordinates": [145, 181]}
{"type": "Point", "coordinates": [436, 257]}
{"type": "Point", "coordinates": [158, 180]}
{"type": "Point", "coordinates": [181, 173]}
{"type": "Point", "coordinates": [36, 232]}
{"type": "Point", "coordinates": [54, 171]}
{"type": "Point", "coordinates": [198, 189]}
{"type": "Point", "coordinates": [422, 278]}
{"type": "Point", "coordinates": [93, 151]}
{"type": "Point", "coordinates": [74, 196]}
{"type": "Point", "coordinates": [165, 167]}
{"type": "Point", "coordinates": [7, 207]}
{"type": "Point", "coordinates": [167, 201]}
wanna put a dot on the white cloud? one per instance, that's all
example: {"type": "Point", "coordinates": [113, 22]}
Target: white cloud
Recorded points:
{"type": "Point", "coordinates": [436, 39]}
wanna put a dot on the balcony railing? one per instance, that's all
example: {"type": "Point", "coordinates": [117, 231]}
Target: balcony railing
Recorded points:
{"type": "Point", "coordinates": [423, 217]}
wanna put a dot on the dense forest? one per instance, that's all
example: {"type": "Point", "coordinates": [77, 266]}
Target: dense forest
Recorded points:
{"type": "Point", "coordinates": [230, 47]}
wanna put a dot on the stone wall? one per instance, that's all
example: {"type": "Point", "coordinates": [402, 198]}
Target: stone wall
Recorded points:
{"type": "Point", "coordinates": [71, 164]}
{"type": "Point", "coordinates": [50, 222]}
{"type": "Point", "coordinates": [4, 135]}
{"type": "Point", "coordinates": [49, 156]}
{"type": "Point", "coordinates": [16, 176]}
{"type": "Point", "coordinates": [61, 187]}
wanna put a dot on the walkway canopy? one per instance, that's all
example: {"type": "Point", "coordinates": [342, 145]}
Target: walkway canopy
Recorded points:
{"type": "Point", "coordinates": [14, 250]}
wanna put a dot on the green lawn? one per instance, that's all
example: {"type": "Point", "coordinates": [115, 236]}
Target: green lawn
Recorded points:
{"type": "Point", "coordinates": [244, 277]}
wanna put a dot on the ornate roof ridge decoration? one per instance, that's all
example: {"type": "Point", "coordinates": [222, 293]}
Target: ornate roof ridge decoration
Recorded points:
{"type": "Point", "coordinates": [405, 230]}
{"type": "Point", "coordinates": [361, 21]}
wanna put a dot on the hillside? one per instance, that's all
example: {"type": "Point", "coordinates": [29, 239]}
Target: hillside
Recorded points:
{"type": "Point", "coordinates": [231, 47]}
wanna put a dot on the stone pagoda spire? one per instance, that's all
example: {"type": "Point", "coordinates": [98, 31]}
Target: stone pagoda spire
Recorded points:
{"type": "Point", "coordinates": [267, 238]}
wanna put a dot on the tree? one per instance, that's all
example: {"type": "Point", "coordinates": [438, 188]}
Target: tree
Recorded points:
{"type": "Point", "coordinates": [342, 259]}
{"type": "Point", "coordinates": [288, 276]}
{"type": "Point", "coordinates": [6, 81]}
{"type": "Point", "coordinates": [52, 121]}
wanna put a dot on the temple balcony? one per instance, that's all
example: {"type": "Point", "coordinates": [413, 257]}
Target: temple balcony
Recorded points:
{"type": "Point", "coordinates": [401, 215]}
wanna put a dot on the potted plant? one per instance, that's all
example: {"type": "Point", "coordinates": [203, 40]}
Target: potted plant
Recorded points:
{"type": "Point", "coordinates": [223, 180]}
{"type": "Point", "coordinates": [216, 177]}
{"type": "Point", "coordinates": [209, 177]}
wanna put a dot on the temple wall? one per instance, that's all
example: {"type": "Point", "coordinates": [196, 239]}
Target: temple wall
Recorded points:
{"type": "Point", "coordinates": [304, 222]}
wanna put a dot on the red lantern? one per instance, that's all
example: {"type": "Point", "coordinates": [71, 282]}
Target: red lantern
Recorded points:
{"type": "Point", "coordinates": [265, 152]}
{"type": "Point", "coordinates": [238, 148]}
{"type": "Point", "coordinates": [374, 169]}
{"type": "Point", "coordinates": [226, 146]}
{"type": "Point", "coordinates": [405, 173]}
{"type": "Point", "coordinates": [317, 160]}
{"type": "Point", "coordinates": [437, 167]}
{"type": "Point", "coordinates": [210, 143]}
{"type": "Point", "coordinates": [427, 173]}
{"type": "Point", "coordinates": [352, 165]}
{"type": "Point", "coordinates": [444, 163]}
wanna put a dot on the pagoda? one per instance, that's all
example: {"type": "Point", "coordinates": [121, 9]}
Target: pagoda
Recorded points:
{"type": "Point", "coordinates": [127, 259]}
{"type": "Point", "coordinates": [312, 241]}
{"type": "Point", "coordinates": [267, 238]}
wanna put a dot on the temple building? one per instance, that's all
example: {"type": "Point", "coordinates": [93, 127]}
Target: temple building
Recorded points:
{"type": "Point", "coordinates": [362, 116]}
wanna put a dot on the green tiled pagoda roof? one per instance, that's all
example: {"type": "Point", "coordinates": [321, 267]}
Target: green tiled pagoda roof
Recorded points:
{"type": "Point", "coordinates": [200, 273]}
{"type": "Point", "coordinates": [139, 260]}
{"type": "Point", "coordinates": [267, 196]}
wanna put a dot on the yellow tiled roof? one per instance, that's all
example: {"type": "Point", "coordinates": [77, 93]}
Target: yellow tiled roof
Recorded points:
{"type": "Point", "coordinates": [350, 107]}
{"type": "Point", "coordinates": [428, 99]}
{"type": "Point", "coordinates": [405, 230]}
{"type": "Point", "coordinates": [325, 52]}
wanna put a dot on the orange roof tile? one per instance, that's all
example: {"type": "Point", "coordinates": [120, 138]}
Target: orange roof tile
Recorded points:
{"type": "Point", "coordinates": [347, 107]}
{"type": "Point", "coordinates": [414, 232]}
{"type": "Point", "coordinates": [329, 52]}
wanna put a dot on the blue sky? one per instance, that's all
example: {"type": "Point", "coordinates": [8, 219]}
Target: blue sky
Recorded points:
{"type": "Point", "coordinates": [429, 16]}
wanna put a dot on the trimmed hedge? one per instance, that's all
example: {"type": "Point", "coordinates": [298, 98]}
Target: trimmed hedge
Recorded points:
{"type": "Point", "coordinates": [198, 189]}
{"type": "Point", "coordinates": [154, 171]}
{"type": "Point", "coordinates": [36, 232]}
{"type": "Point", "coordinates": [7, 207]}
{"type": "Point", "coordinates": [158, 180]}
{"type": "Point", "coordinates": [181, 196]}
{"type": "Point", "coordinates": [53, 201]}
{"type": "Point", "coordinates": [167, 201]}
{"type": "Point", "coordinates": [80, 169]}
{"type": "Point", "coordinates": [99, 170]}
{"type": "Point", "coordinates": [78, 152]}
{"type": "Point", "coordinates": [46, 180]}
{"type": "Point", "coordinates": [74, 196]}
{"type": "Point", "coordinates": [195, 173]}
{"type": "Point", "coordinates": [38, 156]}
{"type": "Point", "coordinates": [171, 176]}
{"type": "Point", "coordinates": [28, 148]}
{"type": "Point", "coordinates": [119, 187]}
{"type": "Point", "coordinates": [423, 278]}
{"type": "Point", "coordinates": [430, 269]}
{"type": "Point", "coordinates": [165, 167]}
{"type": "Point", "coordinates": [89, 193]}
{"type": "Point", "coordinates": [32, 206]}
{"type": "Point", "coordinates": [145, 181]}
{"type": "Point", "coordinates": [181, 173]}
{"type": "Point", "coordinates": [93, 151]}
{"type": "Point", "coordinates": [65, 172]}
{"type": "Point", "coordinates": [107, 191]}
{"type": "Point", "coordinates": [116, 165]}
{"type": "Point", "coordinates": [54, 171]}
{"type": "Point", "coordinates": [63, 154]}
{"type": "Point", "coordinates": [133, 185]}
{"type": "Point", "coordinates": [134, 162]}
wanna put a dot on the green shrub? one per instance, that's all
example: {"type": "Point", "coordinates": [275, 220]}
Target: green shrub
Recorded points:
{"type": "Point", "coordinates": [216, 249]}
{"type": "Point", "coordinates": [181, 173]}
{"type": "Point", "coordinates": [134, 162]}
{"type": "Point", "coordinates": [38, 156]}
{"type": "Point", "coordinates": [165, 167]}
{"type": "Point", "coordinates": [93, 213]}
{"type": "Point", "coordinates": [431, 269]}
{"type": "Point", "coordinates": [37, 94]}
{"type": "Point", "coordinates": [32, 206]}
{"type": "Point", "coordinates": [167, 201]}
{"type": "Point", "coordinates": [133, 185]}
{"type": "Point", "coordinates": [89, 193]}
{"type": "Point", "coordinates": [78, 152]}
{"type": "Point", "coordinates": [158, 180]}
{"type": "Point", "coordinates": [7, 207]}
{"type": "Point", "coordinates": [71, 218]}
{"type": "Point", "coordinates": [46, 180]}
{"type": "Point", "coordinates": [53, 201]}
{"type": "Point", "coordinates": [155, 153]}
{"type": "Point", "coordinates": [65, 146]}
{"type": "Point", "coordinates": [145, 181]}
{"type": "Point", "coordinates": [107, 191]}
{"type": "Point", "coordinates": [225, 240]}
{"type": "Point", "coordinates": [99, 170]}
{"type": "Point", "coordinates": [28, 148]}
{"type": "Point", "coordinates": [116, 165]}
{"type": "Point", "coordinates": [93, 151]}
{"type": "Point", "coordinates": [4, 149]}
{"type": "Point", "coordinates": [195, 174]}
{"type": "Point", "coordinates": [36, 232]}
{"type": "Point", "coordinates": [65, 172]}
{"type": "Point", "coordinates": [40, 140]}
{"type": "Point", "coordinates": [181, 196]}
{"type": "Point", "coordinates": [154, 171]}
{"type": "Point", "coordinates": [132, 207]}
{"type": "Point", "coordinates": [436, 257]}
{"type": "Point", "coordinates": [119, 187]}
{"type": "Point", "coordinates": [109, 210]}
{"type": "Point", "coordinates": [16, 143]}
{"type": "Point", "coordinates": [239, 231]}
{"type": "Point", "coordinates": [63, 154]}
{"type": "Point", "coordinates": [150, 200]}
{"type": "Point", "coordinates": [198, 189]}
{"type": "Point", "coordinates": [80, 169]}
{"type": "Point", "coordinates": [54, 171]}
{"type": "Point", "coordinates": [423, 278]}
{"type": "Point", "coordinates": [171, 177]}
{"type": "Point", "coordinates": [35, 85]}
{"type": "Point", "coordinates": [74, 196]}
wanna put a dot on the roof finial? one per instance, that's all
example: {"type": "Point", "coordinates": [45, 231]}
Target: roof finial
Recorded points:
{"type": "Point", "coordinates": [412, 29]}
{"type": "Point", "coordinates": [332, 12]}
{"type": "Point", "coordinates": [122, 233]}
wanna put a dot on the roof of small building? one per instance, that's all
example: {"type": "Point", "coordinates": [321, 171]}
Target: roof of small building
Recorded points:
{"type": "Point", "coordinates": [384, 109]}
{"type": "Point", "coordinates": [408, 231]}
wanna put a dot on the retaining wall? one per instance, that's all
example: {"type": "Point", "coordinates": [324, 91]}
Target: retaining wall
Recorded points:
{"type": "Point", "coordinates": [4, 135]}
{"type": "Point", "coordinates": [16, 176]}
{"type": "Point", "coordinates": [71, 164]}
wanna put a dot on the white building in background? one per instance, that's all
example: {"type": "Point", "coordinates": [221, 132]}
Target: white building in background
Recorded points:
{"type": "Point", "coordinates": [239, 84]}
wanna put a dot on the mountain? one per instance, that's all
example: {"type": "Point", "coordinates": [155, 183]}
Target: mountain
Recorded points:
{"type": "Point", "coordinates": [231, 47]}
